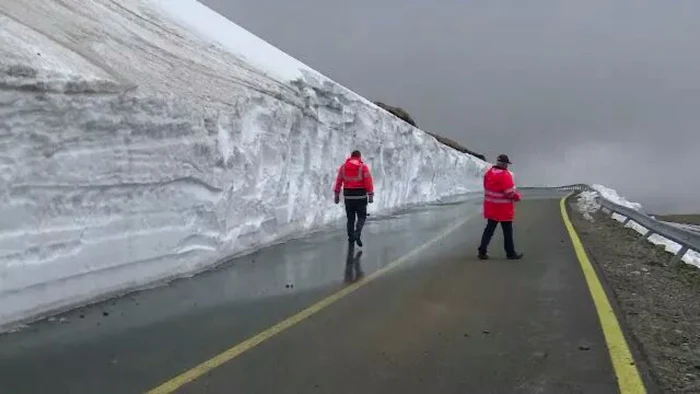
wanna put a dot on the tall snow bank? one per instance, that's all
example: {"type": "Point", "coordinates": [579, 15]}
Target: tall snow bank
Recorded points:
{"type": "Point", "coordinates": [587, 204]}
{"type": "Point", "coordinates": [145, 140]}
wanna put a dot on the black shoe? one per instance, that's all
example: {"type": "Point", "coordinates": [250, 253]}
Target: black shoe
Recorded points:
{"type": "Point", "coordinates": [483, 256]}
{"type": "Point", "coordinates": [516, 256]}
{"type": "Point", "coordinates": [357, 236]}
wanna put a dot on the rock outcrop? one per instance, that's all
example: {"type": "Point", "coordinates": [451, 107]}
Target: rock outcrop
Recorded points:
{"type": "Point", "coordinates": [406, 117]}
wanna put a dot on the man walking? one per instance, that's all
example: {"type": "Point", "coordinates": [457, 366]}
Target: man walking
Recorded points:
{"type": "Point", "coordinates": [499, 207]}
{"type": "Point", "coordinates": [358, 190]}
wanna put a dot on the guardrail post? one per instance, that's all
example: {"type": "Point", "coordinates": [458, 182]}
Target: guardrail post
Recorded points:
{"type": "Point", "coordinates": [646, 236]}
{"type": "Point", "coordinates": [627, 220]}
{"type": "Point", "coordinates": [677, 258]}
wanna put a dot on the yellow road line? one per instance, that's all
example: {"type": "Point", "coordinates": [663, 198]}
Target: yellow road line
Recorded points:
{"type": "Point", "coordinates": [628, 378]}
{"type": "Point", "coordinates": [203, 368]}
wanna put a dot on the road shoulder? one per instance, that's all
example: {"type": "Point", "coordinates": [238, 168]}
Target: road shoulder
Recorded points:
{"type": "Point", "coordinates": [658, 306]}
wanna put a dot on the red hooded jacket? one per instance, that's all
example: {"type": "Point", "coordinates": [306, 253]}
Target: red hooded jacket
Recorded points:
{"type": "Point", "coordinates": [499, 195]}
{"type": "Point", "coordinates": [356, 178]}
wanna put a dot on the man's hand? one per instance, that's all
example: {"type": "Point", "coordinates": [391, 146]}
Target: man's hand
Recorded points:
{"type": "Point", "coordinates": [370, 198]}
{"type": "Point", "coordinates": [337, 198]}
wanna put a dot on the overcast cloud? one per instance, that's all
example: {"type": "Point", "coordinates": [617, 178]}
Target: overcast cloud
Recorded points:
{"type": "Point", "coordinates": [593, 91]}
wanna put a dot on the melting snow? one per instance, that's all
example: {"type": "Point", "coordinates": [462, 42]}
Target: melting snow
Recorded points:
{"type": "Point", "coordinates": [612, 195]}
{"type": "Point", "coordinates": [587, 204]}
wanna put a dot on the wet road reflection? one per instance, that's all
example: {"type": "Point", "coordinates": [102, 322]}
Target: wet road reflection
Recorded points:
{"type": "Point", "coordinates": [353, 265]}
{"type": "Point", "coordinates": [129, 341]}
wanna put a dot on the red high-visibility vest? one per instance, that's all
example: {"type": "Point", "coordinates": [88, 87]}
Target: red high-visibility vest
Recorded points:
{"type": "Point", "coordinates": [354, 174]}
{"type": "Point", "coordinates": [499, 195]}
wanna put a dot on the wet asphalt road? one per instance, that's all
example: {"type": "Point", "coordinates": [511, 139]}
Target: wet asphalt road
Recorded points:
{"type": "Point", "coordinates": [441, 322]}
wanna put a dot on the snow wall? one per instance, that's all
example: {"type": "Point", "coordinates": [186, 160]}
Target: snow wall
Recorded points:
{"type": "Point", "coordinates": [146, 140]}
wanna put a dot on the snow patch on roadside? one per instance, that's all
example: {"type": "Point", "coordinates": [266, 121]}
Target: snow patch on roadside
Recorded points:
{"type": "Point", "coordinates": [614, 196]}
{"type": "Point", "coordinates": [587, 204]}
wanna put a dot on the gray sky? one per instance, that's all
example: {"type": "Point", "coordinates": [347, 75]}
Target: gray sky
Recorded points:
{"type": "Point", "coordinates": [594, 91]}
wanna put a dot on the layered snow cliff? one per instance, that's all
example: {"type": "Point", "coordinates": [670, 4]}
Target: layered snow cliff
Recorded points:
{"type": "Point", "coordinates": [144, 140]}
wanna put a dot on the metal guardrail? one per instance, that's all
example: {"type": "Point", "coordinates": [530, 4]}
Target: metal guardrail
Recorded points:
{"type": "Point", "coordinates": [690, 227]}
{"type": "Point", "coordinates": [688, 240]}
{"type": "Point", "coordinates": [567, 188]}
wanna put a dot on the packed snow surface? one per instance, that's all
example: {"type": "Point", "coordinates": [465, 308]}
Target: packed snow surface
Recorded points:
{"type": "Point", "coordinates": [587, 204]}
{"type": "Point", "coordinates": [142, 140]}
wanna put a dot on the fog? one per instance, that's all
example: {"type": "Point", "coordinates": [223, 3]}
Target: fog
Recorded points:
{"type": "Point", "coordinates": [595, 91]}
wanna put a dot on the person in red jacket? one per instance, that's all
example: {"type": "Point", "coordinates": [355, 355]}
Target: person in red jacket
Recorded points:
{"type": "Point", "coordinates": [500, 196]}
{"type": "Point", "coordinates": [356, 181]}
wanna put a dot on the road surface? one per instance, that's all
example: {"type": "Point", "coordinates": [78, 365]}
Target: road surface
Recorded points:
{"type": "Point", "coordinates": [437, 320]}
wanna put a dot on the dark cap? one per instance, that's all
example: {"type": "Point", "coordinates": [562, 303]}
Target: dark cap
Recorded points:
{"type": "Point", "coordinates": [504, 159]}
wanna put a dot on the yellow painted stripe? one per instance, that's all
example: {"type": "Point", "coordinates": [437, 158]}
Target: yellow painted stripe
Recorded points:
{"type": "Point", "coordinates": [628, 378]}
{"type": "Point", "coordinates": [203, 368]}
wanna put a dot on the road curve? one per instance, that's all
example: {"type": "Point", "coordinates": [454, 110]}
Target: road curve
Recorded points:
{"type": "Point", "coordinates": [435, 320]}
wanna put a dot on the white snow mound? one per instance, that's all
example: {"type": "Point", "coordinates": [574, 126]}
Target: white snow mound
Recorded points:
{"type": "Point", "coordinates": [587, 203]}
{"type": "Point", "coordinates": [142, 140]}
{"type": "Point", "coordinates": [613, 196]}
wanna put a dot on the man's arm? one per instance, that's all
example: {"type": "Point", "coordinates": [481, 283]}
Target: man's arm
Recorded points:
{"type": "Point", "coordinates": [338, 184]}
{"type": "Point", "coordinates": [368, 182]}
{"type": "Point", "coordinates": [510, 189]}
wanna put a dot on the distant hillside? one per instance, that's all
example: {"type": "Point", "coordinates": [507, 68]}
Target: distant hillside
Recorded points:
{"type": "Point", "coordinates": [405, 116]}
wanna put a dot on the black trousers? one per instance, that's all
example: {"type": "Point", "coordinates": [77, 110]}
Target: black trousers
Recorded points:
{"type": "Point", "coordinates": [508, 244]}
{"type": "Point", "coordinates": [356, 212]}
